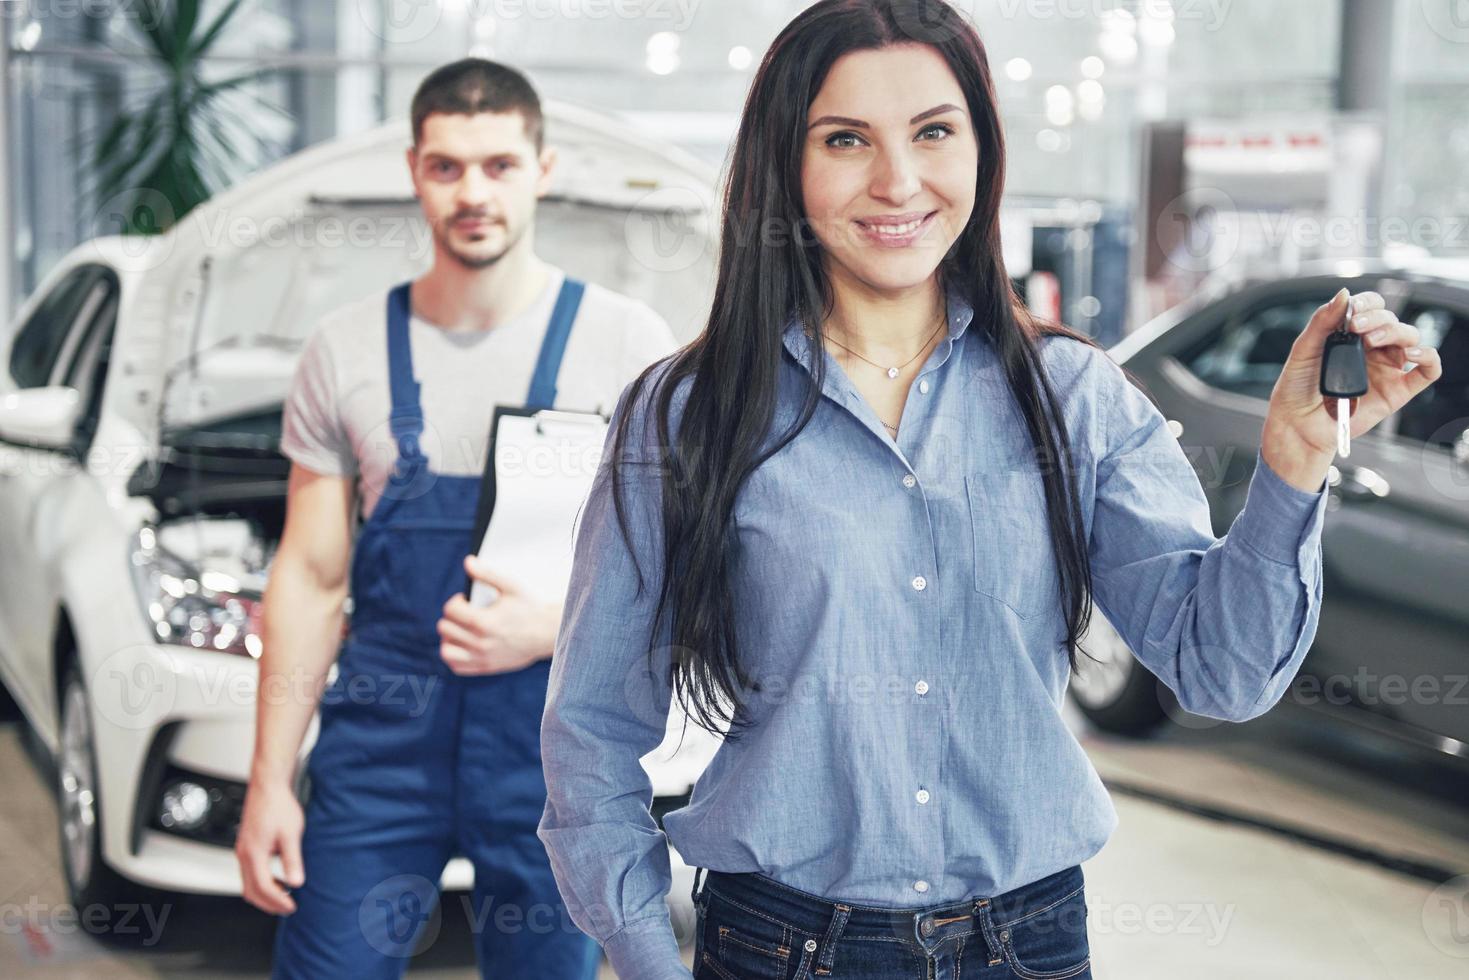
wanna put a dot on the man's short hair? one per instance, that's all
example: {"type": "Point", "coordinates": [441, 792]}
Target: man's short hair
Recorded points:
{"type": "Point", "coordinates": [472, 85]}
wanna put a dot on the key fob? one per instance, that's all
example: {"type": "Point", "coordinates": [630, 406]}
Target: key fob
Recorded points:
{"type": "Point", "coordinates": [1343, 366]}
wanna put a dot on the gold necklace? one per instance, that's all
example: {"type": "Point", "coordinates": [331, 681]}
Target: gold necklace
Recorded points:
{"type": "Point", "coordinates": [891, 372]}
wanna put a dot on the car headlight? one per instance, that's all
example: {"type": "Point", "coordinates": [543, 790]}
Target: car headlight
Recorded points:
{"type": "Point", "coordinates": [193, 607]}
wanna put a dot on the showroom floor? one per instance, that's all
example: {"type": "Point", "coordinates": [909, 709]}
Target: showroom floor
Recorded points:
{"type": "Point", "coordinates": [1273, 849]}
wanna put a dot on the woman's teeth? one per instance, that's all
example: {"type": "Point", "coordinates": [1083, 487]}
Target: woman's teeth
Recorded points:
{"type": "Point", "coordinates": [896, 231]}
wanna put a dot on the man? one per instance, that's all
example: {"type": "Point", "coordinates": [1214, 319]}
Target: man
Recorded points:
{"type": "Point", "coordinates": [429, 742]}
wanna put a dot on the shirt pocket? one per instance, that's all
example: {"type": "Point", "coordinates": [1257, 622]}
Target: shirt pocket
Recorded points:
{"type": "Point", "coordinates": [1013, 558]}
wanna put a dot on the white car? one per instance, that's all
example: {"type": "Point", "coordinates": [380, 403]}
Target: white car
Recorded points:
{"type": "Point", "coordinates": [142, 493]}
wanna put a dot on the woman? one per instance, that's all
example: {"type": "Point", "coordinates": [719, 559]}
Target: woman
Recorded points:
{"type": "Point", "coordinates": [886, 499]}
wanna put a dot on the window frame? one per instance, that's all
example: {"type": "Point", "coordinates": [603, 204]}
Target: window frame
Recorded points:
{"type": "Point", "coordinates": [1430, 294]}
{"type": "Point", "coordinates": [82, 279]}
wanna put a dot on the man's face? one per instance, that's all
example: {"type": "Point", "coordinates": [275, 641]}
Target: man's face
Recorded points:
{"type": "Point", "coordinates": [478, 178]}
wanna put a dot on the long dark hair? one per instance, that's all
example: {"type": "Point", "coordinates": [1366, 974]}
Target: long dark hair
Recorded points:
{"type": "Point", "coordinates": [735, 362]}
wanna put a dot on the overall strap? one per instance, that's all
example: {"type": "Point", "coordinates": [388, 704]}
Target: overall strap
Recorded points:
{"type": "Point", "coordinates": [548, 364]}
{"type": "Point", "coordinates": [406, 419]}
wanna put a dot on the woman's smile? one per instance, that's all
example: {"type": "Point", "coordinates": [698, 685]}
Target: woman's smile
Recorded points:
{"type": "Point", "coordinates": [896, 231]}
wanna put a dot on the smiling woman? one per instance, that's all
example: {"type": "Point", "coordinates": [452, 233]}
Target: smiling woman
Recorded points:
{"type": "Point", "coordinates": [861, 520]}
{"type": "Point", "coordinates": [871, 156]}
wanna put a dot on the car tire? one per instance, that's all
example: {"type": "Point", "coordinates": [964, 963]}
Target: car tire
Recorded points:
{"type": "Point", "coordinates": [90, 882]}
{"type": "Point", "coordinates": [1116, 692]}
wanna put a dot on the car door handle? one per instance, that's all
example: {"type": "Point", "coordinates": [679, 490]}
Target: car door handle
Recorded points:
{"type": "Point", "coordinates": [1362, 483]}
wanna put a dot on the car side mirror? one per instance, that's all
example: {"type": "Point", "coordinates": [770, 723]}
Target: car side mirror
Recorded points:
{"type": "Point", "coordinates": [43, 418]}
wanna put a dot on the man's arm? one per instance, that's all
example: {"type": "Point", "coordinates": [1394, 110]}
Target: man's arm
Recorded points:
{"type": "Point", "coordinates": [302, 629]}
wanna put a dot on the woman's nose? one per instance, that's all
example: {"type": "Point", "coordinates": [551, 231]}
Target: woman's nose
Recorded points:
{"type": "Point", "coordinates": [896, 178]}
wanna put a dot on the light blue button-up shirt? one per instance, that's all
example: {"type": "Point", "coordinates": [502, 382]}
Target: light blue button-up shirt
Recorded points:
{"type": "Point", "coordinates": [898, 603]}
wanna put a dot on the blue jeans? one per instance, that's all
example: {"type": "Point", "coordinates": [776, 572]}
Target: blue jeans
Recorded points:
{"type": "Point", "coordinates": [751, 927]}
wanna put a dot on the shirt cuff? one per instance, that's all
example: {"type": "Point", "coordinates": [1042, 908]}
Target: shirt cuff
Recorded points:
{"type": "Point", "coordinates": [1279, 521]}
{"type": "Point", "coordinates": [646, 950]}
{"type": "Point", "coordinates": [1283, 523]}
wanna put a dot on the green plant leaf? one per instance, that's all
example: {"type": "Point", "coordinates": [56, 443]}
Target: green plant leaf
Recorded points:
{"type": "Point", "coordinates": [207, 39]}
{"type": "Point", "coordinates": [156, 26]}
{"type": "Point", "coordinates": [185, 17]}
{"type": "Point", "coordinates": [184, 141]}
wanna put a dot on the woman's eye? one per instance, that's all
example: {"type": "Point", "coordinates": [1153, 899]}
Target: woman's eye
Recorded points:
{"type": "Point", "coordinates": [832, 140]}
{"type": "Point", "coordinates": [942, 129]}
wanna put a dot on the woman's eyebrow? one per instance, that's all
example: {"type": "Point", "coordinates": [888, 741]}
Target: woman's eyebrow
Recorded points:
{"type": "Point", "coordinates": [936, 110]}
{"type": "Point", "coordinates": [859, 124]}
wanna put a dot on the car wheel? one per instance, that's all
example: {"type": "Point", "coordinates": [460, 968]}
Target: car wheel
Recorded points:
{"type": "Point", "coordinates": [90, 882]}
{"type": "Point", "coordinates": [1114, 691]}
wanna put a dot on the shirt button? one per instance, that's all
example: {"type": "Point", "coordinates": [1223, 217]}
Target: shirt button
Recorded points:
{"type": "Point", "coordinates": [921, 796]}
{"type": "Point", "coordinates": [920, 886]}
{"type": "Point", "coordinates": [923, 387]}
{"type": "Point", "coordinates": [919, 583]}
{"type": "Point", "coordinates": [910, 481]}
{"type": "Point", "coordinates": [921, 687]}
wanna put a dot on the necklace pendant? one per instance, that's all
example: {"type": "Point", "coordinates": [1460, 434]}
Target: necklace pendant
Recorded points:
{"type": "Point", "coordinates": [892, 372]}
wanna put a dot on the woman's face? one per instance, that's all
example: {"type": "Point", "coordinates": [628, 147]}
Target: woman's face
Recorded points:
{"type": "Point", "coordinates": [889, 166]}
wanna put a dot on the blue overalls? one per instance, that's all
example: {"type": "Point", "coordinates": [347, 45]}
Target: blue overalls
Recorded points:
{"type": "Point", "coordinates": [415, 763]}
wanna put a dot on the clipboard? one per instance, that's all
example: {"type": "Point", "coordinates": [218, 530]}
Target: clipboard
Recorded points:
{"type": "Point", "coordinates": [539, 467]}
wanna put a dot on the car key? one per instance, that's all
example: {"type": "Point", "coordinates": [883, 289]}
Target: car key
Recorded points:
{"type": "Point", "coordinates": [1344, 377]}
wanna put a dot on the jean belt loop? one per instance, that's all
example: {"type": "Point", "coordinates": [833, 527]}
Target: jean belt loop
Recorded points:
{"type": "Point", "coordinates": [694, 893]}
{"type": "Point", "coordinates": [983, 913]}
{"type": "Point", "coordinates": [829, 944]}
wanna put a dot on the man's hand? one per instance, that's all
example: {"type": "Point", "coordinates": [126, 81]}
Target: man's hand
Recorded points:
{"type": "Point", "coordinates": [510, 633]}
{"type": "Point", "coordinates": [271, 825]}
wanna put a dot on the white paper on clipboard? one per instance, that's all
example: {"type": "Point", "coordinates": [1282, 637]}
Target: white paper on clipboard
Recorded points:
{"type": "Point", "coordinates": [545, 462]}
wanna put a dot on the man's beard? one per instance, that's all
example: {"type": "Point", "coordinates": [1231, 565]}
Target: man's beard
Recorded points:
{"type": "Point", "coordinates": [481, 261]}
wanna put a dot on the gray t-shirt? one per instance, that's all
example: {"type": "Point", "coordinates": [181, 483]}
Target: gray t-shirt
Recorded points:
{"type": "Point", "coordinates": [336, 415]}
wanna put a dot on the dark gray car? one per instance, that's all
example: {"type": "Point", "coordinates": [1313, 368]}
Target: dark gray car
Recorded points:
{"type": "Point", "coordinates": [1392, 648]}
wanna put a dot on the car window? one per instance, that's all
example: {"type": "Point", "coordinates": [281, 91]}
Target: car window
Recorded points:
{"type": "Point", "coordinates": [1247, 353]}
{"type": "Point", "coordinates": [1439, 414]}
{"type": "Point", "coordinates": [39, 342]}
{"type": "Point", "coordinates": [82, 328]}
{"type": "Point", "coordinates": [86, 370]}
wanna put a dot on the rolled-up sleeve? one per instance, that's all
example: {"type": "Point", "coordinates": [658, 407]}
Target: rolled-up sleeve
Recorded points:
{"type": "Point", "coordinates": [1224, 622]}
{"type": "Point", "coordinates": [607, 706]}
